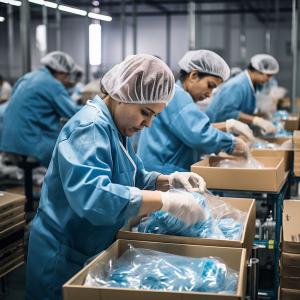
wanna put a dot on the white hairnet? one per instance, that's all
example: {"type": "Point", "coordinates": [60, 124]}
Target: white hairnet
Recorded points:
{"type": "Point", "coordinates": [205, 61]}
{"type": "Point", "coordinates": [75, 74]}
{"type": "Point", "coordinates": [140, 78]}
{"type": "Point", "coordinates": [265, 63]}
{"type": "Point", "coordinates": [58, 61]}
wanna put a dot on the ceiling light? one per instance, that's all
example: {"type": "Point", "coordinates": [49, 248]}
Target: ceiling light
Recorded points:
{"type": "Point", "coordinates": [72, 10]}
{"type": "Point", "coordinates": [99, 17]}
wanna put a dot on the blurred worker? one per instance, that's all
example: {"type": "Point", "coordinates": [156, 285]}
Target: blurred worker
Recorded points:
{"type": "Point", "coordinates": [236, 98]}
{"type": "Point", "coordinates": [181, 134]}
{"type": "Point", "coordinates": [39, 100]}
{"type": "Point", "coordinates": [235, 71]}
{"type": "Point", "coordinates": [95, 182]}
{"type": "Point", "coordinates": [5, 90]}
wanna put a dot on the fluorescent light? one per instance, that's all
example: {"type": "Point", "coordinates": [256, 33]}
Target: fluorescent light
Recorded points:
{"type": "Point", "coordinates": [2, 19]}
{"type": "Point", "coordinates": [95, 44]}
{"type": "Point", "coordinates": [50, 4]}
{"type": "Point", "coordinates": [40, 2]}
{"type": "Point", "coordinates": [41, 38]}
{"type": "Point", "coordinates": [12, 2]}
{"type": "Point", "coordinates": [99, 17]}
{"type": "Point", "coordinates": [72, 10]}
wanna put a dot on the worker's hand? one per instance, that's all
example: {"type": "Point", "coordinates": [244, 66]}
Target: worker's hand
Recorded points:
{"type": "Point", "coordinates": [189, 181]}
{"type": "Point", "coordinates": [183, 206]}
{"type": "Point", "coordinates": [241, 148]}
{"type": "Point", "coordinates": [240, 128]}
{"type": "Point", "coordinates": [266, 126]}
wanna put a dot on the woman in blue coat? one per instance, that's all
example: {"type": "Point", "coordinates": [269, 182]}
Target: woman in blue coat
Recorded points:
{"type": "Point", "coordinates": [39, 100]}
{"type": "Point", "coordinates": [236, 98]}
{"type": "Point", "coordinates": [181, 134]}
{"type": "Point", "coordinates": [95, 182]}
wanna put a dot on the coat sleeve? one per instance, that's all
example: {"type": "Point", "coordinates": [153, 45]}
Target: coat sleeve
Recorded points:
{"type": "Point", "coordinates": [193, 128]}
{"type": "Point", "coordinates": [85, 167]}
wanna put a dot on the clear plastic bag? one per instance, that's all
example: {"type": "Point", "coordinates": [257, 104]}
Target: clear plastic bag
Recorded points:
{"type": "Point", "coordinates": [140, 268]}
{"type": "Point", "coordinates": [223, 222]}
{"type": "Point", "coordinates": [250, 163]}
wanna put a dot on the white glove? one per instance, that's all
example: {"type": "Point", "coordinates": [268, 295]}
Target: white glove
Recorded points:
{"type": "Point", "coordinates": [266, 126]}
{"type": "Point", "coordinates": [239, 128]}
{"type": "Point", "coordinates": [241, 148]}
{"type": "Point", "coordinates": [190, 181]}
{"type": "Point", "coordinates": [183, 206]}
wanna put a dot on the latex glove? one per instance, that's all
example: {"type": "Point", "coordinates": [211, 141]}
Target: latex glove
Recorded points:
{"type": "Point", "coordinates": [183, 206]}
{"type": "Point", "coordinates": [241, 148]}
{"type": "Point", "coordinates": [266, 126]}
{"type": "Point", "coordinates": [190, 181]}
{"type": "Point", "coordinates": [239, 128]}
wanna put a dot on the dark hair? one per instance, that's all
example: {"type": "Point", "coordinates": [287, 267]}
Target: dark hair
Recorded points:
{"type": "Point", "coordinates": [103, 91]}
{"type": "Point", "coordinates": [251, 68]}
{"type": "Point", "coordinates": [52, 71]}
{"type": "Point", "coordinates": [183, 75]}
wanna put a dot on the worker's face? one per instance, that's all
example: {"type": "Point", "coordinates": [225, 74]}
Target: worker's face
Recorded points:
{"type": "Point", "coordinates": [131, 118]}
{"type": "Point", "coordinates": [261, 78]}
{"type": "Point", "coordinates": [201, 88]}
{"type": "Point", "coordinates": [64, 79]}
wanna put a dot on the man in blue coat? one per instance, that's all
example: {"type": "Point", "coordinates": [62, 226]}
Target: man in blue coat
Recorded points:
{"type": "Point", "coordinates": [39, 100]}
{"type": "Point", "coordinates": [236, 98]}
{"type": "Point", "coordinates": [181, 134]}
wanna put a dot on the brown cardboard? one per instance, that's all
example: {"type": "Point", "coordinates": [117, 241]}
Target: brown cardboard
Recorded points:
{"type": "Point", "coordinates": [290, 282]}
{"type": "Point", "coordinates": [268, 179]}
{"type": "Point", "coordinates": [287, 155]}
{"type": "Point", "coordinates": [291, 123]}
{"type": "Point", "coordinates": [287, 294]}
{"type": "Point", "coordinates": [290, 259]}
{"type": "Point", "coordinates": [9, 201]}
{"type": "Point", "coordinates": [243, 204]}
{"type": "Point", "coordinates": [233, 257]}
{"type": "Point", "coordinates": [291, 226]}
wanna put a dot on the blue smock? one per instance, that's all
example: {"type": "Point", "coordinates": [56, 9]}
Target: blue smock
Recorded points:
{"type": "Point", "coordinates": [179, 136]}
{"type": "Point", "coordinates": [234, 96]}
{"type": "Point", "coordinates": [32, 118]}
{"type": "Point", "coordinates": [91, 189]}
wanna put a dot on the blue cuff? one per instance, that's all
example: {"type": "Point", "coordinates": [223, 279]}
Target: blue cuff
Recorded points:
{"type": "Point", "coordinates": [134, 204]}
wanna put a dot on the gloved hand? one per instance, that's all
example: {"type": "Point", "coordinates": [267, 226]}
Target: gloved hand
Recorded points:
{"type": "Point", "coordinates": [241, 148]}
{"type": "Point", "coordinates": [266, 126]}
{"type": "Point", "coordinates": [183, 206]}
{"type": "Point", "coordinates": [190, 181]}
{"type": "Point", "coordinates": [239, 128]}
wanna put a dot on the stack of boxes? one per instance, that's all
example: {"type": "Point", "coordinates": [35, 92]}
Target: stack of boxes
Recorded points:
{"type": "Point", "coordinates": [296, 141]}
{"type": "Point", "coordinates": [290, 256]}
{"type": "Point", "coordinates": [12, 225]}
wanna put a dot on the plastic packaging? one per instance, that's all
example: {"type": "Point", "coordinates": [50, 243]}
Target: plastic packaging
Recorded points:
{"type": "Point", "coordinates": [140, 268]}
{"type": "Point", "coordinates": [250, 163]}
{"type": "Point", "coordinates": [223, 222]}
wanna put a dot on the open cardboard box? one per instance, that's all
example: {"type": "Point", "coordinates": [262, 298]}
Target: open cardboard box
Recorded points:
{"type": "Point", "coordinates": [233, 257]}
{"type": "Point", "coordinates": [292, 122]}
{"type": "Point", "coordinates": [291, 226]}
{"type": "Point", "coordinates": [288, 294]}
{"type": "Point", "coordinates": [268, 179]}
{"type": "Point", "coordinates": [243, 204]}
{"type": "Point", "coordinates": [286, 154]}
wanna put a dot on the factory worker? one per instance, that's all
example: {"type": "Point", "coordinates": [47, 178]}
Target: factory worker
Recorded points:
{"type": "Point", "coordinates": [235, 71]}
{"type": "Point", "coordinates": [95, 182]}
{"type": "Point", "coordinates": [38, 102]}
{"type": "Point", "coordinates": [236, 98]}
{"type": "Point", "coordinates": [181, 134]}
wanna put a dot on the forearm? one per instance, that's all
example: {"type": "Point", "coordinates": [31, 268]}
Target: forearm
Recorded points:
{"type": "Point", "coordinates": [220, 126]}
{"type": "Point", "coordinates": [151, 202]}
{"type": "Point", "coordinates": [162, 183]}
{"type": "Point", "coordinates": [248, 119]}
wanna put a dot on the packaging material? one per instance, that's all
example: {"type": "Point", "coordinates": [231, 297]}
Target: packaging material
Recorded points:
{"type": "Point", "coordinates": [268, 179]}
{"type": "Point", "coordinates": [246, 241]}
{"type": "Point", "coordinates": [291, 227]}
{"type": "Point", "coordinates": [276, 147]}
{"type": "Point", "coordinates": [147, 269]}
{"type": "Point", "coordinates": [296, 142]}
{"type": "Point", "coordinates": [290, 282]}
{"type": "Point", "coordinates": [288, 294]}
{"type": "Point", "coordinates": [248, 163]}
{"type": "Point", "coordinates": [234, 258]}
{"type": "Point", "coordinates": [222, 220]}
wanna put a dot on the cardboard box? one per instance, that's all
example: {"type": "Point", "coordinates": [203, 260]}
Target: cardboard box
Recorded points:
{"type": "Point", "coordinates": [268, 179]}
{"type": "Point", "coordinates": [290, 282]}
{"type": "Point", "coordinates": [287, 155]}
{"type": "Point", "coordinates": [292, 123]}
{"type": "Point", "coordinates": [243, 204]}
{"type": "Point", "coordinates": [10, 201]}
{"type": "Point", "coordinates": [291, 226]}
{"type": "Point", "coordinates": [287, 294]}
{"type": "Point", "coordinates": [233, 257]}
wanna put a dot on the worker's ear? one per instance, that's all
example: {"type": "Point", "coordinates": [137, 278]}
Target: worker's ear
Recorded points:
{"type": "Point", "coordinates": [193, 75]}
